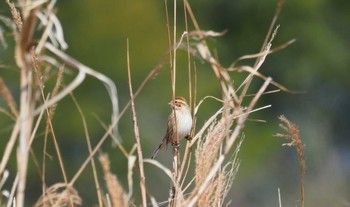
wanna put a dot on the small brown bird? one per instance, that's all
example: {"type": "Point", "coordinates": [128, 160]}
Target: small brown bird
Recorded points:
{"type": "Point", "coordinates": [184, 124]}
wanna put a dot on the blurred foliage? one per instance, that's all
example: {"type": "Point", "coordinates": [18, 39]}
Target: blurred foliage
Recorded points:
{"type": "Point", "coordinates": [317, 63]}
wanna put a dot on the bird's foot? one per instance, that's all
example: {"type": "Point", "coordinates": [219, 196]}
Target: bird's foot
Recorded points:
{"type": "Point", "coordinates": [188, 137]}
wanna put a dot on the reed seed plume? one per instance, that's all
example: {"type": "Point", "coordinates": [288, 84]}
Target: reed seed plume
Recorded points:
{"type": "Point", "coordinates": [208, 148]}
{"type": "Point", "coordinates": [292, 134]}
{"type": "Point", "coordinates": [116, 192]}
{"type": "Point", "coordinates": [59, 195]}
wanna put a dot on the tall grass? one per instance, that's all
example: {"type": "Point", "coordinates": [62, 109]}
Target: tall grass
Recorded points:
{"type": "Point", "coordinates": [216, 142]}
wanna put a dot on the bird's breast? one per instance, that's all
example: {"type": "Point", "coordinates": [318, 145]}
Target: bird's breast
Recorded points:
{"type": "Point", "coordinates": [184, 123]}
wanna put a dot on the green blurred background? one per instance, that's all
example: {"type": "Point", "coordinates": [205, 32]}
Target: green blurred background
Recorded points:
{"type": "Point", "coordinates": [96, 32]}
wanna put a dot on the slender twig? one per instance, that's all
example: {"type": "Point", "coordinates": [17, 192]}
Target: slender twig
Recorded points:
{"type": "Point", "coordinates": [137, 135]}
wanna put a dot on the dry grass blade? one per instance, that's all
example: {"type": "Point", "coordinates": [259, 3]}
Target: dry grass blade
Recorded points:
{"type": "Point", "coordinates": [6, 94]}
{"type": "Point", "coordinates": [115, 190]}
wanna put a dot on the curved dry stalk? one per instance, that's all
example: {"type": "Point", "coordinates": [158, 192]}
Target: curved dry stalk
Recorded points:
{"type": "Point", "coordinates": [109, 84]}
{"type": "Point", "coordinates": [203, 99]}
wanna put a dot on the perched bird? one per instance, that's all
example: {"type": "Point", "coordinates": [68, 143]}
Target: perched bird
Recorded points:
{"type": "Point", "coordinates": [183, 121]}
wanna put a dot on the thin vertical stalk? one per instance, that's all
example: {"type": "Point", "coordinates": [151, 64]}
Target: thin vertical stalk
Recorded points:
{"type": "Point", "coordinates": [25, 126]}
{"type": "Point", "coordinates": [137, 135]}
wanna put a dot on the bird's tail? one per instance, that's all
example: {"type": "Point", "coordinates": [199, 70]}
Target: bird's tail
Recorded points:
{"type": "Point", "coordinates": [157, 150]}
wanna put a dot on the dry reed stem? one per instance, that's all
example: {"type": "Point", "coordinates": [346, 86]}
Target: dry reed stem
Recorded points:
{"type": "Point", "coordinates": [115, 190]}
{"type": "Point", "coordinates": [293, 136]}
{"type": "Point", "coordinates": [137, 134]}
{"type": "Point", "coordinates": [26, 107]}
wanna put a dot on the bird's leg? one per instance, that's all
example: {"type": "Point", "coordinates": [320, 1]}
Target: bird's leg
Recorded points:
{"type": "Point", "coordinates": [176, 145]}
{"type": "Point", "coordinates": [188, 137]}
